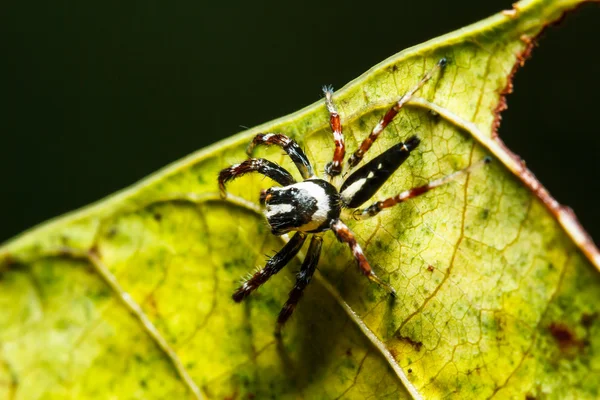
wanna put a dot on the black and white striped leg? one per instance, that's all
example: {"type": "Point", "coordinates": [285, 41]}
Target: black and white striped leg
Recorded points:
{"type": "Point", "coordinates": [260, 165]}
{"type": "Point", "coordinates": [334, 167]}
{"type": "Point", "coordinates": [345, 235]}
{"type": "Point", "coordinates": [274, 265]}
{"type": "Point", "coordinates": [366, 181]}
{"type": "Point", "coordinates": [378, 206]}
{"type": "Point", "coordinates": [302, 280]}
{"type": "Point", "coordinates": [289, 146]}
{"type": "Point", "coordinates": [390, 115]}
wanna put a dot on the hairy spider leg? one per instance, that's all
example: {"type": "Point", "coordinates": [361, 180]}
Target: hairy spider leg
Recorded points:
{"type": "Point", "coordinates": [345, 235]}
{"type": "Point", "coordinates": [260, 165]}
{"type": "Point", "coordinates": [376, 207]}
{"type": "Point", "coordinates": [390, 115]}
{"type": "Point", "coordinates": [302, 280]}
{"type": "Point", "coordinates": [289, 146]}
{"type": "Point", "coordinates": [366, 181]}
{"type": "Point", "coordinates": [334, 167]}
{"type": "Point", "coordinates": [273, 266]}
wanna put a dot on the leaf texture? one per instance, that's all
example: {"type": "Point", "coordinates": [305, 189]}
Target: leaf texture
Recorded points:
{"type": "Point", "coordinates": [130, 297]}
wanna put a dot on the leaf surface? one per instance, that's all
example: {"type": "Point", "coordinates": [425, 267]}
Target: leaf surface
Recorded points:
{"type": "Point", "coordinates": [130, 297]}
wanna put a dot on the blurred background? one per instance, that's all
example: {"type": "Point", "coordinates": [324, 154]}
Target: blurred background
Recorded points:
{"type": "Point", "coordinates": [97, 95]}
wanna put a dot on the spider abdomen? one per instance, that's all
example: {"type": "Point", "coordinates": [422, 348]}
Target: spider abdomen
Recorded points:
{"type": "Point", "coordinates": [307, 206]}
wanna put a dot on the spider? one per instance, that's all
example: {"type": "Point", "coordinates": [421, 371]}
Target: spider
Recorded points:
{"type": "Point", "coordinates": [313, 206]}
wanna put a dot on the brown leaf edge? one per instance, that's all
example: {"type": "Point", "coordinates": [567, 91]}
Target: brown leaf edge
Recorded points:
{"type": "Point", "coordinates": [564, 215]}
{"type": "Point", "coordinates": [515, 164]}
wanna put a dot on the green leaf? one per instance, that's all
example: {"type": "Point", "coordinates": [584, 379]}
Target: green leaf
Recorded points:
{"type": "Point", "coordinates": [497, 290]}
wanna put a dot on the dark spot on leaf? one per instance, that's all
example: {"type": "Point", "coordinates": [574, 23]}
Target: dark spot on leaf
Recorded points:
{"type": "Point", "coordinates": [371, 295]}
{"type": "Point", "coordinates": [435, 117]}
{"type": "Point", "coordinates": [101, 294]}
{"type": "Point", "coordinates": [143, 383]}
{"type": "Point", "coordinates": [151, 302]}
{"type": "Point", "coordinates": [9, 262]}
{"type": "Point", "coordinates": [414, 343]}
{"type": "Point", "coordinates": [8, 259]}
{"type": "Point", "coordinates": [500, 322]}
{"type": "Point", "coordinates": [410, 370]}
{"type": "Point", "coordinates": [394, 353]}
{"type": "Point", "coordinates": [111, 232]}
{"type": "Point", "coordinates": [430, 268]}
{"type": "Point", "coordinates": [588, 319]}
{"type": "Point", "coordinates": [234, 263]}
{"type": "Point", "coordinates": [349, 352]}
{"type": "Point", "coordinates": [157, 217]}
{"type": "Point", "coordinates": [530, 397]}
{"type": "Point", "coordinates": [561, 332]}
{"type": "Point", "coordinates": [271, 304]}
{"type": "Point", "coordinates": [564, 336]}
{"type": "Point", "coordinates": [485, 213]}
{"type": "Point", "coordinates": [89, 269]}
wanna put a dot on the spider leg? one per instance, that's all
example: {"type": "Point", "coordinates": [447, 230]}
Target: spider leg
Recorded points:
{"type": "Point", "coordinates": [366, 181]}
{"type": "Point", "coordinates": [289, 146]}
{"type": "Point", "coordinates": [376, 207]}
{"type": "Point", "coordinates": [260, 165]}
{"type": "Point", "coordinates": [262, 198]}
{"type": "Point", "coordinates": [302, 280]}
{"type": "Point", "coordinates": [274, 265]}
{"type": "Point", "coordinates": [334, 167]}
{"type": "Point", "coordinates": [345, 235]}
{"type": "Point", "coordinates": [390, 115]}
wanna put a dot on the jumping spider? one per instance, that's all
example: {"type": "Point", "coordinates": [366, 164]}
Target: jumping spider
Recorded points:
{"type": "Point", "coordinates": [313, 206]}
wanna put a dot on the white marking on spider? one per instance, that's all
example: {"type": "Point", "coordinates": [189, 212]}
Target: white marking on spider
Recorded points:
{"type": "Point", "coordinates": [378, 128]}
{"type": "Point", "coordinates": [351, 190]}
{"type": "Point", "coordinates": [321, 214]}
{"type": "Point", "coordinates": [275, 209]}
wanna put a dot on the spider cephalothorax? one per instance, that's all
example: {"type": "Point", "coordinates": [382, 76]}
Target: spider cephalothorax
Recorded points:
{"type": "Point", "coordinates": [308, 206]}
{"type": "Point", "coordinates": [314, 205]}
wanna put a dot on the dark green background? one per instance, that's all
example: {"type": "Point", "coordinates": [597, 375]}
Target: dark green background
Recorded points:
{"type": "Point", "coordinates": [97, 95]}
